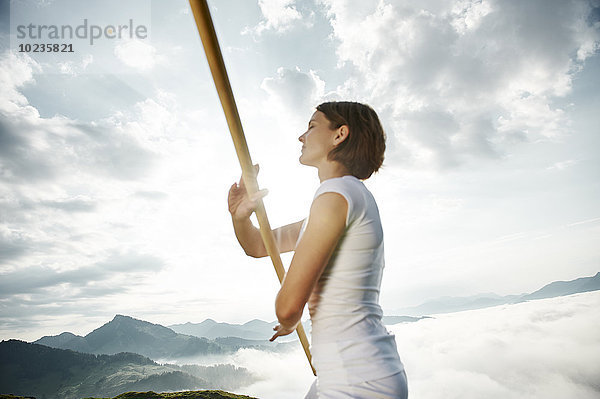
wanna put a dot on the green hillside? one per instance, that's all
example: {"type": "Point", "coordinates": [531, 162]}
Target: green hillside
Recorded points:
{"type": "Point", "coordinates": [42, 372]}
{"type": "Point", "coordinates": [180, 395]}
{"type": "Point", "coordinates": [154, 395]}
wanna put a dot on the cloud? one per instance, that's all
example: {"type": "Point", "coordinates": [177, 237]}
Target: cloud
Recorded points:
{"type": "Point", "coordinates": [35, 278]}
{"type": "Point", "coordinates": [279, 15]}
{"type": "Point", "coordinates": [294, 90]}
{"type": "Point", "coordinates": [38, 149]}
{"type": "Point", "coordinates": [562, 165]}
{"type": "Point", "coordinates": [284, 375]}
{"type": "Point", "coordinates": [71, 205]}
{"type": "Point", "coordinates": [462, 80]}
{"type": "Point", "coordinates": [73, 68]}
{"type": "Point", "coordinates": [19, 157]}
{"type": "Point", "coordinates": [152, 195]}
{"type": "Point", "coordinates": [63, 183]}
{"type": "Point", "coordinates": [536, 350]}
{"type": "Point", "coordinates": [137, 54]}
{"type": "Point", "coordinates": [73, 298]}
{"type": "Point", "coordinates": [12, 244]}
{"type": "Point", "coordinates": [15, 72]}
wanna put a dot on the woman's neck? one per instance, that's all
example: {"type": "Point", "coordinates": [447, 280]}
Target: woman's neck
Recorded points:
{"type": "Point", "coordinates": [332, 169]}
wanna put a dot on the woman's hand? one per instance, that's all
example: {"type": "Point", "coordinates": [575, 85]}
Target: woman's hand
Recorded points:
{"type": "Point", "coordinates": [240, 204]}
{"type": "Point", "coordinates": [281, 331]}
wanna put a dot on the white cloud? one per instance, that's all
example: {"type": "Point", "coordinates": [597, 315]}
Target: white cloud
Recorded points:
{"type": "Point", "coordinates": [535, 350]}
{"type": "Point", "coordinates": [294, 91]}
{"type": "Point", "coordinates": [137, 54]}
{"type": "Point", "coordinates": [15, 72]}
{"type": "Point", "coordinates": [70, 199]}
{"type": "Point", "coordinates": [468, 14]}
{"type": "Point", "coordinates": [563, 165]}
{"type": "Point", "coordinates": [283, 375]}
{"type": "Point", "coordinates": [538, 349]}
{"type": "Point", "coordinates": [457, 80]}
{"type": "Point", "coordinates": [279, 15]}
{"type": "Point", "coordinates": [72, 68]}
{"type": "Point", "coordinates": [63, 184]}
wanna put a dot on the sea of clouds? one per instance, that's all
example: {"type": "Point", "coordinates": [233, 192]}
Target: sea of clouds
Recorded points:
{"type": "Point", "coordinates": [541, 349]}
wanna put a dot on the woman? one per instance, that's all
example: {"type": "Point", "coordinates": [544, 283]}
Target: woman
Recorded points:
{"type": "Point", "coordinates": [338, 258]}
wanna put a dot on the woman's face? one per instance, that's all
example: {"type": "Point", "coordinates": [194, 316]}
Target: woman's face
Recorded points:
{"type": "Point", "coordinates": [317, 141]}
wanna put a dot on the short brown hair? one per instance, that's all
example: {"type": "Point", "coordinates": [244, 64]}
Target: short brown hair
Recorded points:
{"type": "Point", "coordinates": [362, 151]}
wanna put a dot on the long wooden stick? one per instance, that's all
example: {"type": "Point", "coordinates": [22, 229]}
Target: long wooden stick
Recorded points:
{"type": "Point", "coordinates": [219, 73]}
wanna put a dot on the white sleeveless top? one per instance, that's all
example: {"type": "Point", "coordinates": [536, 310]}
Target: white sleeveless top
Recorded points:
{"type": "Point", "coordinates": [349, 343]}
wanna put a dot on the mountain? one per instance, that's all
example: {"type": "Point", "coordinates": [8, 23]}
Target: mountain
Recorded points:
{"type": "Point", "coordinates": [562, 288]}
{"type": "Point", "coordinates": [448, 304]}
{"type": "Point", "coordinates": [457, 304]}
{"type": "Point", "coordinates": [391, 320]}
{"type": "Point", "coordinates": [66, 340]}
{"type": "Point", "coordinates": [253, 333]}
{"type": "Point", "coordinates": [32, 369]}
{"type": "Point", "coordinates": [126, 334]}
{"type": "Point", "coordinates": [252, 330]}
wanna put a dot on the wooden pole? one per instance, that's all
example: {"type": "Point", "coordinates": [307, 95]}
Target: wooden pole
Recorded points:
{"type": "Point", "coordinates": [219, 73]}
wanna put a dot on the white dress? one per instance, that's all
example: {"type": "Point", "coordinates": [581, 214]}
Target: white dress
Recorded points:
{"type": "Point", "coordinates": [351, 347]}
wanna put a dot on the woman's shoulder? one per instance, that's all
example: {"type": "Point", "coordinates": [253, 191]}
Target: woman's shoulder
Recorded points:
{"type": "Point", "coordinates": [346, 183]}
{"type": "Point", "coordinates": [351, 188]}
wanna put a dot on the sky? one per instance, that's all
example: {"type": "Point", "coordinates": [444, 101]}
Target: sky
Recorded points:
{"type": "Point", "coordinates": [115, 159]}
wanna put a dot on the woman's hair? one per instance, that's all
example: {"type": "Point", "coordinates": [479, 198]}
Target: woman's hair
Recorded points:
{"type": "Point", "coordinates": [362, 151]}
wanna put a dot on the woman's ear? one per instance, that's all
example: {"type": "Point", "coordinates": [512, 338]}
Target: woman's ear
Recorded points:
{"type": "Point", "coordinates": [341, 134]}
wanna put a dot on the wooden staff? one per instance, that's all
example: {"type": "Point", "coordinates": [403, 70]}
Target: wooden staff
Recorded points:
{"type": "Point", "coordinates": [219, 73]}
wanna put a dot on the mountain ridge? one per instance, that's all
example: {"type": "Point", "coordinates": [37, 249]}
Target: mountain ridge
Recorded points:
{"type": "Point", "coordinates": [562, 288]}
{"type": "Point", "coordinates": [252, 330]}
{"type": "Point", "coordinates": [209, 328]}
{"type": "Point", "coordinates": [480, 301]}
{"type": "Point", "coordinates": [127, 334]}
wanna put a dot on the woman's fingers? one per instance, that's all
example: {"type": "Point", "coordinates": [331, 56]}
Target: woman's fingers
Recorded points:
{"type": "Point", "coordinates": [240, 204]}
{"type": "Point", "coordinates": [259, 194]}
{"type": "Point", "coordinates": [281, 331]}
{"type": "Point", "coordinates": [276, 328]}
{"type": "Point", "coordinates": [241, 182]}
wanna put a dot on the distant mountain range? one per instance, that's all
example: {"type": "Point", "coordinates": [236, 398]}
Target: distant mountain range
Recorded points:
{"type": "Point", "coordinates": [258, 329]}
{"type": "Point", "coordinates": [126, 334]}
{"type": "Point", "coordinates": [30, 369]}
{"type": "Point", "coordinates": [457, 304]}
{"type": "Point", "coordinates": [255, 329]}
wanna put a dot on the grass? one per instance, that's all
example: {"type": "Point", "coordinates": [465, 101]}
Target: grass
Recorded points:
{"type": "Point", "coordinates": [175, 395]}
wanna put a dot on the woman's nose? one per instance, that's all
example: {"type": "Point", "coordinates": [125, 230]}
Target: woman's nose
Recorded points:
{"type": "Point", "coordinates": [301, 138]}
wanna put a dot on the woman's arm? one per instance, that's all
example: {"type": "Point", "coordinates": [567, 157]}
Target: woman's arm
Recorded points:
{"type": "Point", "coordinates": [326, 224]}
{"type": "Point", "coordinates": [241, 207]}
